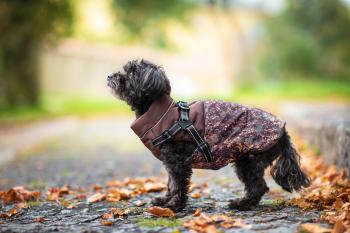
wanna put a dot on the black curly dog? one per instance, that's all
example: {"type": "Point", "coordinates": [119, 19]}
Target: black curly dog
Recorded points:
{"type": "Point", "coordinates": [130, 86]}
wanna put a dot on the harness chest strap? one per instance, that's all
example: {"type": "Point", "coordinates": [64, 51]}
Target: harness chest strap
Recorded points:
{"type": "Point", "coordinates": [184, 123]}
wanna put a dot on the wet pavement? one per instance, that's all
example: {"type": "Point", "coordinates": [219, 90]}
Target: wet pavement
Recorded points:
{"type": "Point", "coordinates": [98, 150]}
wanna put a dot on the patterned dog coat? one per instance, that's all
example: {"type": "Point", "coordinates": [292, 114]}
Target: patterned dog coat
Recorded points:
{"type": "Point", "coordinates": [232, 130]}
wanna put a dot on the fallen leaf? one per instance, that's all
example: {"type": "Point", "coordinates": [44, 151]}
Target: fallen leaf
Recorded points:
{"type": "Point", "coordinates": [80, 196]}
{"type": "Point", "coordinates": [40, 219]}
{"type": "Point", "coordinates": [96, 198]}
{"type": "Point", "coordinates": [53, 194]}
{"type": "Point", "coordinates": [12, 212]}
{"type": "Point", "coordinates": [71, 206]}
{"type": "Point", "coordinates": [197, 212]}
{"type": "Point", "coordinates": [22, 205]}
{"type": "Point", "coordinates": [204, 223]}
{"type": "Point", "coordinates": [211, 229]}
{"type": "Point", "coordinates": [119, 212]}
{"type": "Point", "coordinates": [338, 227]}
{"type": "Point", "coordinates": [19, 194]}
{"type": "Point", "coordinates": [97, 188]}
{"type": "Point", "coordinates": [313, 228]}
{"type": "Point", "coordinates": [107, 215]}
{"type": "Point", "coordinates": [139, 203]}
{"type": "Point", "coordinates": [161, 212]}
{"type": "Point", "coordinates": [196, 195]}
{"type": "Point", "coordinates": [154, 187]}
{"type": "Point", "coordinates": [9, 213]}
{"type": "Point", "coordinates": [237, 223]}
{"type": "Point", "coordinates": [107, 223]}
{"type": "Point", "coordinates": [115, 183]}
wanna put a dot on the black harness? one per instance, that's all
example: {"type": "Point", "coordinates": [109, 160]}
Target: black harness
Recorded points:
{"type": "Point", "coordinates": [184, 123]}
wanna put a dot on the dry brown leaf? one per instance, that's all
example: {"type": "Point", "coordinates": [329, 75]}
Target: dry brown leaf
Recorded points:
{"type": "Point", "coordinates": [106, 222]}
{"type": "Point", "coordinates": [154, 187]}
{"type": "Point", "coordinates": [19, 194]}
{"type": "Point", "coordinates": [237, 223]}
{"type": "Point", "coordinates": [204, 222]}
{"type": "Point", "coordinates": [107, 215]}
{"type": "Point", "coordinates": [12, 212]}
{"type": "Point", "coordinates": [53, 194]}
{"type": "Point", "coordinates": [80, 196]}
{"type": "Point", "coordinates": [211, 229]}
{"type": "Point", "coordinates": [9, 213]}
{"type": "Point", "coordinates": [97, 188]}
{"type": "Point", "coordinates": [40, 219]}
{"type": "Point", "coordinates": [161, 212]}
{"type": "Point", "coordinates": [115, 183]}
{"type": "Point", "coordinates": [115, 195]}
{"type": "Point", "coordinates": [196, 195]}
{"type": "Point", "coordinates": [197, 212]}
{"type": "Point", "coordinates": [22, 205]}
{"type": "Point", "coordinates": [139, 203]}
{"type": "Point", "coordinates": [339, 227]}
{"type": "Point", "coordinates": [96, 198]}
{"type": "Point", "coordinates": [65, 190]}
{"type": "Point", "coordinates": [313, 228]}
{"type": "Point", "coordinates": [71, 206]}
{"type": "Point", "coordinates": [119, 212]}
{"type": "Point", "coordinates": [1, 222]}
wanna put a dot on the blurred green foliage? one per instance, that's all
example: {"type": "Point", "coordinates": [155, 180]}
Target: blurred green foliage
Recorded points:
{"type": "Point", "coordinates": [143, 20]}
{"type": "Point", "coordinates": [309, 39]}
{"type": "Point", "coordinates": [23, 28]}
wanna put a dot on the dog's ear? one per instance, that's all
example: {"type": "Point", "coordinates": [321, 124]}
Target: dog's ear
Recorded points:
{"type": "Point", "coordinates": [154, 82]}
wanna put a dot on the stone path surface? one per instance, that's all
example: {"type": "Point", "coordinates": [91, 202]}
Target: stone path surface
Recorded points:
{"type": "Point", "coordinates": [98, 150]}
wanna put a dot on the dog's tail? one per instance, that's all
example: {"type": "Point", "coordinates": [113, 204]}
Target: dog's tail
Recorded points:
{"type": "Point", "coordinates": [286, 171]}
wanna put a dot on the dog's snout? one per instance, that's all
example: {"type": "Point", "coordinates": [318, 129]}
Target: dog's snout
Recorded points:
{"type": "Point", "coordinates": [109, 77]}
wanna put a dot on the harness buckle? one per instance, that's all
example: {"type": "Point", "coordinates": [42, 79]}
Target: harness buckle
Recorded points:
{"type": "Point", "coordinates": [183, 105]}
{"type": "Point", "coordinates": [184, 124]}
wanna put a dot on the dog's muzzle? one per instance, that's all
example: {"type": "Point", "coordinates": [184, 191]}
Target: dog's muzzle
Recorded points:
{"type": "Point", "coordinates": [111, 82]}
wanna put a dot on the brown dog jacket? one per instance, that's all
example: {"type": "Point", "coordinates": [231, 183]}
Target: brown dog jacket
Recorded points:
{"type": "Point", "coordinates": [231, 130]}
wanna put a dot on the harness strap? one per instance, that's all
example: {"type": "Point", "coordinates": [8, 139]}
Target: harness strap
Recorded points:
{"type": "Point", "coordinates": [185, 124]}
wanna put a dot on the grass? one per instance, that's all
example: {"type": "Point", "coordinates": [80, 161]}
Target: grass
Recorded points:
{"type": "Point", "coordinates": [158, 222]}
{"type": "Point", "coordinates": [33, 204]}
{"type": "Point", "coordinates": [275, 203]}
{"type": "Point", "coordinates": [321, 90]}
{"type": "Point", "coordinates": [54, 105]}
{"type": "Point", "coordinates": [37, 184]}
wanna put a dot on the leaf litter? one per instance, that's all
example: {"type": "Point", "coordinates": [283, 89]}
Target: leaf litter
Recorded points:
{"type": "Point", "coordinates": [329, 192]}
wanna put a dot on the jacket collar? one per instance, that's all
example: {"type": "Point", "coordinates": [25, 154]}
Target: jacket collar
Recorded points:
{"type": "Point", "coordinates": [158, 109]}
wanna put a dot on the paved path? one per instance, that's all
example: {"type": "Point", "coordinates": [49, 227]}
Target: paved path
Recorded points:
{"type": "Point", "coordinates": [94, 151]}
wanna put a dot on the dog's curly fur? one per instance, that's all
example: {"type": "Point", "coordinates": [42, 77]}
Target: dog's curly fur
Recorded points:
{"type": "Point", "coordinates": [142, 82]}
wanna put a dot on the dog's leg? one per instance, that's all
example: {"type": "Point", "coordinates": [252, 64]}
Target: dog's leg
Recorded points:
{"type": "Point", "coordinates": [161, 201]}
{"type": "Point", "coordinates": [178, 163]}
{"type": "Point", "coordinates": [250, 170]}
{"type": "Point", "coordinates": [181, 175]}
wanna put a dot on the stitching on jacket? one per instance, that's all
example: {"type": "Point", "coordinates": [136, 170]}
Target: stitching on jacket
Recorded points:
{"type": "Point", "coordinates": [158, 120]}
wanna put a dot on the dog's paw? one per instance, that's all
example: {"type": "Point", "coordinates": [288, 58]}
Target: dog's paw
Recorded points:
{"type": "Point", "coordinates": [175, 206]}
{"type": "Point", "coordinates": [240, 204]}
{"type": "Point", "coordinates": [160, 201]}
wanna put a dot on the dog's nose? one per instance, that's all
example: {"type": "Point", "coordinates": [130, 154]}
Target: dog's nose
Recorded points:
{"type": "Point", "coordinates": [109, 77]}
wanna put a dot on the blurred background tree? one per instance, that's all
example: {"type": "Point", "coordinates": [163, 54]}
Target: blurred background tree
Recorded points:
{"type": "Point", "coordinates": [145, 20]}
{"type": "Point", "coordinates": [24, 26]}
{"type": "Point", "coordinates": [210, 48]}
{"type": "Point", "coordinates": [310, 39]}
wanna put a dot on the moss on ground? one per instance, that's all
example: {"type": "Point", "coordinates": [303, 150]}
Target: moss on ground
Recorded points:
{"type": "Point", "coordinates": [158, 222]}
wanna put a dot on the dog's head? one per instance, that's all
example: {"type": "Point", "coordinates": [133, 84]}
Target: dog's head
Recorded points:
{"type": "Point", "coordinates": [139, 84]}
